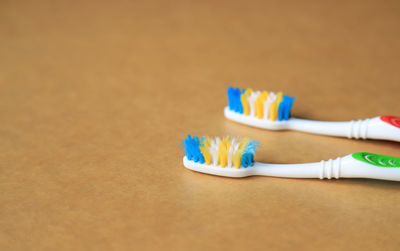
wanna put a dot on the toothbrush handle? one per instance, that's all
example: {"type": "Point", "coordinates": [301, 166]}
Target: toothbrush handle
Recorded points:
{"type": "Point", "coordinates": [357, 165]}
{"type": "Point", "coordinates": [382, 127]}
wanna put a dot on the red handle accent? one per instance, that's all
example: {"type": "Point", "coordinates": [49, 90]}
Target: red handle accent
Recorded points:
{"type": "Point", "coordinates": [393, 120]}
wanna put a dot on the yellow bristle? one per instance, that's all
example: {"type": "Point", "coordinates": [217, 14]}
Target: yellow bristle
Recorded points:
{"type": "Point", "coordinates": [273, 111]}
{"type": "Point", "coordinates": [224, 146]}
{"type": "Point", "coordinates": [245, 102]}
{"type": "Point", "coordinates": [279, 97]}
{"type": "Point", "coordinates": [260, 104]}
{"type": "Point", "coordinates": [238, 154]}
{"type": "Point", "coordinates": [205, 150]}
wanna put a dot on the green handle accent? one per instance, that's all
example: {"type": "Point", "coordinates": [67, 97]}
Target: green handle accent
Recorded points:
{"type": "Point", "coordinates": [377, 159]}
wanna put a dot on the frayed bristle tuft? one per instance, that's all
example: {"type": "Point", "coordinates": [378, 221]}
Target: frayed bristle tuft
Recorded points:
{"type": "Point", "coordinates": [260, 104]}
{"type": "Point", "coordinates": [226, 152]}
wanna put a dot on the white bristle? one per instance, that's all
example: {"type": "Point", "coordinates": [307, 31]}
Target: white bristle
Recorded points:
{"type": "Point", "coordinates": [267, 104]}
{"type": "Point", "coordinates": [252, 102]}
{"type": "Point", "coordinates": [214, 150]}
{"type": "Point", "coordinates": [232, 150]}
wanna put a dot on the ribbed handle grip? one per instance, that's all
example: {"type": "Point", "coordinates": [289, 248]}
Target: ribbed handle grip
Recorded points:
{"type": "Point", "coordinates": [358, 129]}
{"type": "Point", "coordinates": [330, 169]}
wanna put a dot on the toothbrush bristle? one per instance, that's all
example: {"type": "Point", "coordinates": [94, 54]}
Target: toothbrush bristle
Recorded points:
{"type": "Point", "coordinates": [260, 104]}
{"type": "Point", "coordinates": [226, 152]}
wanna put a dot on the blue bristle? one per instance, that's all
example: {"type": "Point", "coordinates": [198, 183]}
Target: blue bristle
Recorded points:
{"type": "Point", "coordinates": [234, 102]}
{"type": "Point", "coordinates": [191, 146]}
{"type": "Point", "coordinates": [285, 107]}
{"type": "Point", "coordinates": [247, 158]}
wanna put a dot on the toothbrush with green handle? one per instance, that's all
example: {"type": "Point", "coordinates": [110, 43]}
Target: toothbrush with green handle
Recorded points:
{"type": "Point", "coordinates": [219, 159]}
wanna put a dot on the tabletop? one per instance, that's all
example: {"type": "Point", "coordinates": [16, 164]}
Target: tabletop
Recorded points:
{"type": "Point", "coordinates": [95, 97]}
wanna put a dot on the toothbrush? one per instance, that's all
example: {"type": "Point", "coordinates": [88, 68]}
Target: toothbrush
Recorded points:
{"type": "Point", "coordinates": [233, 157]}
{"type": "Point", "coordinates": [269, 110]}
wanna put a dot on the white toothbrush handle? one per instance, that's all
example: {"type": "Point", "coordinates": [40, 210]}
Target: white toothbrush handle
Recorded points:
{"type": "Point", "coordinates": [382, 127]}
{"type": "Point", "coordinates": [358, 165]}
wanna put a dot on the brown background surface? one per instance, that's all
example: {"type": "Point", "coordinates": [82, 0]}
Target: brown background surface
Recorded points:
{"type": "Point", "coordinates": [95, 97]}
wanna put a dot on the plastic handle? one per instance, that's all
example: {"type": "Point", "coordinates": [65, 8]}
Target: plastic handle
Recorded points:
{"type": "Point", "coordinates": [357, 165]}
{"type": "Point", "coordinates": [373, 166]}
{"type": "Point", "coordinates": [367, 165]}
{"type": "Point", "coordinates": [377, 159]}
{"type": "Point", "coordinates": [391, 120]}
{"type": "Point", "coordinates": [383, 128]}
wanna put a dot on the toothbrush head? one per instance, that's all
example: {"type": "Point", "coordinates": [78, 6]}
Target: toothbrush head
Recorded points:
{"type": "Point", "coordinates": [231, 157]}
{"type": "Point", "coordinates": [258, 108]}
